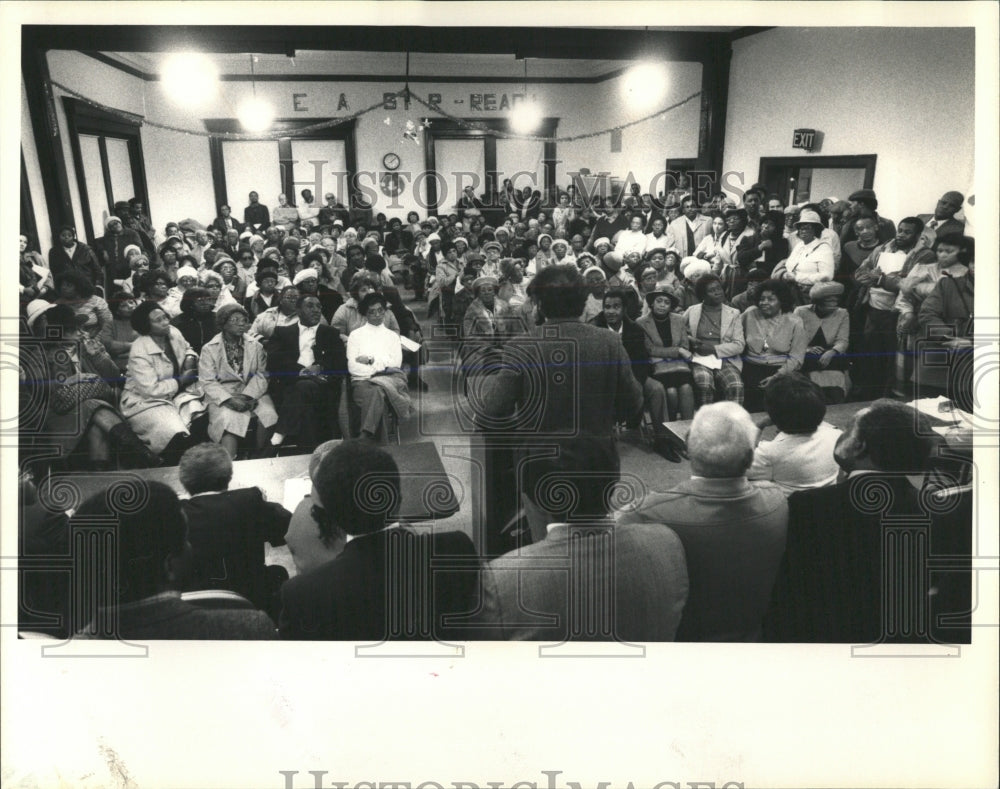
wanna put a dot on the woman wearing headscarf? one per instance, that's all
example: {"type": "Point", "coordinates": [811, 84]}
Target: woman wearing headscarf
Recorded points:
{"type": "Point", "coordinates": [775, 341]}
{"type": "Point", "coordinates": [187, 278]}
{"type": "Point", "coordinates": [232, 369]}
{"type": "Point", "coordinates": [596, 282]}
{"type": "Point", "coordinates": [545, 256]}
{"type": "Point", "coordinates": [162, 396]}
{"type": "Point", "coordinates": [561, 253]}
{"type": "Point", "coordinates": [827, 328]}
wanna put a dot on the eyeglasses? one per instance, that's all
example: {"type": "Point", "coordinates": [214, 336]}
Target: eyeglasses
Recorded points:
{"type": "Point", "coordinates": [238, 320]}
{"type": "Point", "coordinates": [375, 311]}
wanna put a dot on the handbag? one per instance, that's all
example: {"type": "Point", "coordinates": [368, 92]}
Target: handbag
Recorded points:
{"type": "Point", "coordinates": [66, 397]}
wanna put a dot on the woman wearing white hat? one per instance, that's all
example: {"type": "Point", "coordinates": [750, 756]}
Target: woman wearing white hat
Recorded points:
{"type": "Point", "coordinates": [811, 260]}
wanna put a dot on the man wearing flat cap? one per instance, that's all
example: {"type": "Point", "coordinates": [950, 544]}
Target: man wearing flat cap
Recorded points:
{"type": "Point", "coordinates": [864, 203]}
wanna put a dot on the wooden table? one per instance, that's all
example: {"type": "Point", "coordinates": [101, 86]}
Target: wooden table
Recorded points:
{"type": "Point", "coordinates": [427, 491]}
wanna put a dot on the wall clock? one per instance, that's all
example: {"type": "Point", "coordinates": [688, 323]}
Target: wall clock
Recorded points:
{"type": "Point", "coordinates": [391, 161]}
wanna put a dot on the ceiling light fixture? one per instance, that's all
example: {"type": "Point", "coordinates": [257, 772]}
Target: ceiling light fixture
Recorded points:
{"type": "Point", "coordinates": [645, 85]}
{"type": "Point", "coordinates": [256, 115]}
{"type": "Point", "coordinates": [190, 78]}
{"type": "Point", "coordinates": [526, 115]}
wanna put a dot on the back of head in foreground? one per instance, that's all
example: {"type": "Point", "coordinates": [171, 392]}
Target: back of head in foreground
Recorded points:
{"type": "Point", "coordinates": [205, 468]}
{"type": "Point", "coordinates": [150, 540]}
{"type": "Point", "coordinates": [794, 404]}
{"type": "Point", "coordinates": [886, 436]}
{"type": "Point", "coordinates": [358, 486]}
{"type": "Point", "coordinates": [575, 485]}
{"type": "Point", "coordinates": [721, 441]}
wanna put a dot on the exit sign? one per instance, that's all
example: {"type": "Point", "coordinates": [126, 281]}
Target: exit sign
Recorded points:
{"type": "Point", "coordinates": [804, 138]}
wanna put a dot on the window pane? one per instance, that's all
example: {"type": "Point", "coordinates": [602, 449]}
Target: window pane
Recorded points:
{"type": "Point", "coordinates": [251, 167]}
{"type": "Point", "coordinates": [454, 160]}
{"type": "Point", "coordinates": [521, 161]}
{"type": "Point", "coordinates": [120, 167]}
{"type": "Point", "coordinates": [90, 154]}
{"type": "Point", "coordinates": [332, 156]}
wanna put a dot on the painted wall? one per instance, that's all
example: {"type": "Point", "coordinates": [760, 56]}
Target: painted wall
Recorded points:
{"type": "Point", "coordinates": [580, 108]}
{"type": "Point", "coordinates": [905, 94]}
{"type": "Point", "coordinates": [178, 167]}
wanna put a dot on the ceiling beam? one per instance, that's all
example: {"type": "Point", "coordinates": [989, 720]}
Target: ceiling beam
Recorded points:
{"type": "Point", "coordinates": [558, 43]}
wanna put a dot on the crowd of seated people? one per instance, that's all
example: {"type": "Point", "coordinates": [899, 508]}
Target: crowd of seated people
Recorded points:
{"type": "Point", "coordinates": [264, 333]}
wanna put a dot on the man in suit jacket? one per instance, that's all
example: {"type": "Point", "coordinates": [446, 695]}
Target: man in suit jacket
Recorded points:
{"type": "Point", "coordinates": [565, 377]}
{"type": "Point", "coordinates": [633, 337]}
{"type": "Point", "coordinates": [227, 529]}
{"type": "Point", "coordinates": [557, 588]}
{"type": "Point", "coordinates": [687, 231]}
{"type": "Point", "coordinates": [733, 530]}
{"type": "Point", "coordinates": [390, 582]}
{"type": "Point", "coordinates": [225, 221]}
{"type": "Point", "coordinates": [306, 363]}
{"type": "Point", "coordinates": [942, 221]}
{"type": "Point", "coordinates": [847, 543]}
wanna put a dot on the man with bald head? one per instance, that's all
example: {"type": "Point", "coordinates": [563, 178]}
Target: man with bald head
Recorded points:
{"type": "Point", "coordinates": [943, 221]}
{"type": "Point", "coordinates": [733, 530]}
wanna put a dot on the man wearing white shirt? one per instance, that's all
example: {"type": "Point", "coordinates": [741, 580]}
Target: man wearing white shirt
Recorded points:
{"type": "Point", "coordinates": [686, 232]}
{"type": "Point", "coordinates": [374, 360]}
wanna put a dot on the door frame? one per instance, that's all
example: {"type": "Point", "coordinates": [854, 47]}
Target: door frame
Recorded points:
{"type": "Point", "coordinates": [867, 161]}
{"type": "Point", "coordinates": [446, 129]}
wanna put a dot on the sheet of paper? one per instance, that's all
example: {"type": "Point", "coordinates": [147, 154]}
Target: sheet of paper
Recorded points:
{"type": "Point", "coordinates": [711, 362]}
{"type": "Point", "coordinates": [296, 489]}
{"type": "Point", "coordinates": [408, 344]}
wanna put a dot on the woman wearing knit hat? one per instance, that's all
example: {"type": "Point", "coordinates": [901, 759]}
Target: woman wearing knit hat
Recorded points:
{"type": "Point", "coordinates": [827, 329]}
{"type": "Point", "coordinates": [232, 369]}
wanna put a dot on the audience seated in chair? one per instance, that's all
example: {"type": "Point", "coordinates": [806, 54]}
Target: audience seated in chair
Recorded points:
{"type": "Point", "coordinates": [800, 457]}
{"type": "Point", "coordinates": [374, 360]}
{"type": "Point", "coordinates": [306, 364]}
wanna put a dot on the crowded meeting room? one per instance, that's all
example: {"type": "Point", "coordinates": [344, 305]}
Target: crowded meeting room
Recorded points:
{"type": "Point", "coordinates": [550, 334]}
